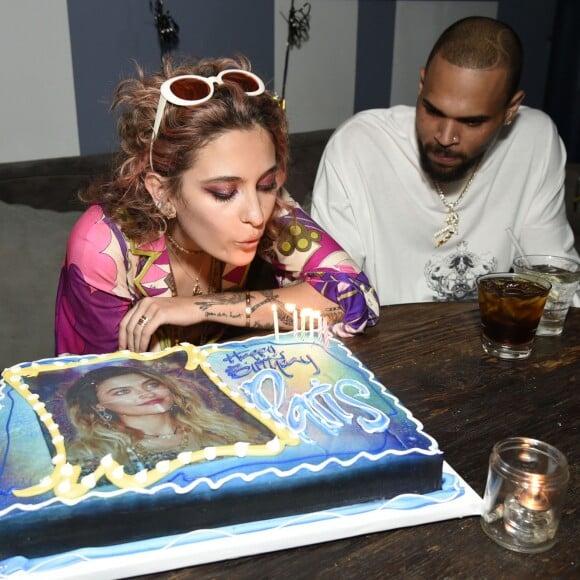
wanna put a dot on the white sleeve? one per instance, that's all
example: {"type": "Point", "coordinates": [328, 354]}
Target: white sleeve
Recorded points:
{"type": "Point", "coordinates": [546, 228]}
{"type": "Point", "coordinates": [331, 204]}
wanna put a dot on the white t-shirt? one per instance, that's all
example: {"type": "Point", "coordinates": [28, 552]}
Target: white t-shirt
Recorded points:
{"type": "Point", "coordinates": [372, 196]}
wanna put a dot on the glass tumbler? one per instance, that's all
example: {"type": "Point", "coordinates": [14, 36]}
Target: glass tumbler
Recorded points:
{"type": "Point", "coordinates": [524, 495]}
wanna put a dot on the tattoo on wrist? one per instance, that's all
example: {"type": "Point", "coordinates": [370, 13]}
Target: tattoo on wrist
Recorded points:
{"type": "Point", "coordinates": [333, 314]}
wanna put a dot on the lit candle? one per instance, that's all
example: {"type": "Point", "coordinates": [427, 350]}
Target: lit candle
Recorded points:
{"type": "Point", "coordinates": [326, 334]}
{"type": "Point", "coordinates": [533, 498]}
{"type": "Point", "coordinates": [524, 494]}
{"type": "Point", "coordinates": [303, 315]}
{"type": "Point", "coordinates": [528, 515]}
{"type": "Point", "coordinates": [291, 308]}
{"type": "Point", "coordinates": [276, 326]}
{"type": "Point", "coordinates": [311, 324]}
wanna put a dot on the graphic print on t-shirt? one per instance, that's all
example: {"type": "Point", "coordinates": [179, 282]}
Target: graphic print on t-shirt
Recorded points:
{"type": "Point", "coordinates": [452, 277]}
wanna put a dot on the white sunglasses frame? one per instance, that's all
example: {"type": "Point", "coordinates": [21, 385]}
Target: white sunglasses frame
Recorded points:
{"type": "Point", "coordinates": [167, 95]}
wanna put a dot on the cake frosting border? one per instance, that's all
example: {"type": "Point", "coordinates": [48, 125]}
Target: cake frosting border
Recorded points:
{"type": "Point", "coordinates": [208, 350]}
{"type": "Point", "coordinates": [455, 500]}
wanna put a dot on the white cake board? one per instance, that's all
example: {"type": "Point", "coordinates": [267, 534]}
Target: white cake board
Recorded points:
{"type": "Point", "coordinates": [204, 546]}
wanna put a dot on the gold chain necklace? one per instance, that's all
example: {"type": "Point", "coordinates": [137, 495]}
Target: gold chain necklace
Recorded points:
{"type": "Point", "coordinates": [196, 291]}
{"type": "Point", "coordinates": [452, 219]}
{"type": "Point", "coordinates": [214, 285]}
{"type": "Point", "coordinates": [179, 247]}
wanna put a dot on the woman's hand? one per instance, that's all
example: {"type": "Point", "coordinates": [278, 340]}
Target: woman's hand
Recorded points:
{"type": "Point", "coordinates": [139, 324]}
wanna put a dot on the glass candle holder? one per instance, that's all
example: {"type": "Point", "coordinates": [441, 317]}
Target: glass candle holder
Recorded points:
{"type": "Point", "coordinates": [524, 495]}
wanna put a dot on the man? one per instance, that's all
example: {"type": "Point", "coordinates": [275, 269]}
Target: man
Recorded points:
{"type": "Point", "coordinates": [423, 198]}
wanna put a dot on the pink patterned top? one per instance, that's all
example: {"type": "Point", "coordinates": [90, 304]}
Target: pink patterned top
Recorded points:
{"type": "Point", "coordinates": [105, 273]}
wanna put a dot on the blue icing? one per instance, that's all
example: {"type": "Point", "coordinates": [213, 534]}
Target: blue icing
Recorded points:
{"type": "Point", "coordinates": [317, 402]}
{"type": "Point", "coordinates": [451, 491]}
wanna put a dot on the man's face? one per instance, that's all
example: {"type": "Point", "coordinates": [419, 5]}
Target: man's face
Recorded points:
{"type": "Point", "coordinates": [460, 112]}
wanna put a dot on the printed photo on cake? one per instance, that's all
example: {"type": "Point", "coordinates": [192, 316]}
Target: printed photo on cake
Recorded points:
{"type": "Point", "coordinates": [141, 413]}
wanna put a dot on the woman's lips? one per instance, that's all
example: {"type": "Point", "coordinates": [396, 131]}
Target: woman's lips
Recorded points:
{"type": "Point", "coordinates": [249, 245]}
{"type": "Point", "coordinates": [153, 402]}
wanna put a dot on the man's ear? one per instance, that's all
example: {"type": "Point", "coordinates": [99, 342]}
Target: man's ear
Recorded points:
{"type": "Point", "coordinates": [155, 185]}
{"type": "Point", "coordinates": [513, 106]}
{"type": "Point", "coordinates": [421, 79]}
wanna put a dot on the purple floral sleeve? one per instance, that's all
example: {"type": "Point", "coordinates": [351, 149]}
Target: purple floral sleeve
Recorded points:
{"type": "Point", "coordinates": [304, 251]}
{"type": "Point", "coordinates": [92, 298]}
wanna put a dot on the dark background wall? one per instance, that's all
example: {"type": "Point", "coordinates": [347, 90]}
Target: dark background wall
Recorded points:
{"type": "Point", "coordinates": [349, 62]}
{"type": "Point", "coordinates": [108, 35]}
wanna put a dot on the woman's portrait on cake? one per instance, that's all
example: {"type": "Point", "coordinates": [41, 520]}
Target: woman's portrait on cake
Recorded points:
{"type": "Point", "coordinates": [141, 416]}
{"type": "Point", "coordinates": [139, 413]}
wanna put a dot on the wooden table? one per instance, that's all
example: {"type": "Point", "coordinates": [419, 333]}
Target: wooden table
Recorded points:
{"type": "Point", "coordinates": [430, 356]}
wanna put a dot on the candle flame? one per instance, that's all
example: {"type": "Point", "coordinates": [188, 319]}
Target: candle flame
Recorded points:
{"type": "Point", "coordinates": [534, 497]}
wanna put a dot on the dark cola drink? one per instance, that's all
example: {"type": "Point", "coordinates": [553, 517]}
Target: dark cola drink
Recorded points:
{"type": "Point", "coordinates": [511, 306]}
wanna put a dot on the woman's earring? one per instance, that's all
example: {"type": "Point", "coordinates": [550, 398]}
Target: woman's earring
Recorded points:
{"type": "Point", "coordinates": [166, 208]}
{"type": "Point", "coordinates": [175, 408]}
{"type": "Point", "coordinates": [104, 415]}
{"type": "Point", "coordinates": [169, 211]}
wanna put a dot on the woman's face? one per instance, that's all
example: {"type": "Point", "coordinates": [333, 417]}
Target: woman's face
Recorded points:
{"type": "Point", "coordinates": [228, 196]}
{"type": "Point", "coordinates": [134, 394]}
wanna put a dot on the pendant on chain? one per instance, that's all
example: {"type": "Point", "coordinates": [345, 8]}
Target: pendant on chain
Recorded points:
{"type": "Point", "coordinates": [445, 234]}
{"type": "Point", "coordinates": [451, 228]}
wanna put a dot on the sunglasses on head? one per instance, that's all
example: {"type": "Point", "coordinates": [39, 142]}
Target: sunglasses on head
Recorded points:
{"type": "Point", "coordinates": [192, 90]}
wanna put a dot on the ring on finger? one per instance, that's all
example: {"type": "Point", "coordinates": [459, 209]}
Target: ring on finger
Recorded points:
{"type": "Point", "coordinates": [143, 320]}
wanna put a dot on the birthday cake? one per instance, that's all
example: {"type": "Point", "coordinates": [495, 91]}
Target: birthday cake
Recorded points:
{"type": "Point", "coordinates": [103, 450]}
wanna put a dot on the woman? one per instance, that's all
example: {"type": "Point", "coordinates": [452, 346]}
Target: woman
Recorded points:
{"type": "Point", "coordinates": [163, 254]}
{"type": "Point", "coordinates": [141, 417]}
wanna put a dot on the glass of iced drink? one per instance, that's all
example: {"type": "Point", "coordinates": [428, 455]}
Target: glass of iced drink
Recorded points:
{"type": "Point", "coordinates": [563, 274]}
{"type": "Point", "coordinates": [511, 306]}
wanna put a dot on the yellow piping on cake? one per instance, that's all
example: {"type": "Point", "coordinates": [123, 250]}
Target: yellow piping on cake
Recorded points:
{"type": "Point", "coordinates": [66, 481]}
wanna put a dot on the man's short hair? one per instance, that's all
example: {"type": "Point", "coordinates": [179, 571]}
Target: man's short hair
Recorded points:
{"type": "Point", "coordinates": [478, 42]}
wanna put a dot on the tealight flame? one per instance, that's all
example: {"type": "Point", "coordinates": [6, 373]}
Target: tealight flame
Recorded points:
{"type": "Point", "coordinates": [533, 497]}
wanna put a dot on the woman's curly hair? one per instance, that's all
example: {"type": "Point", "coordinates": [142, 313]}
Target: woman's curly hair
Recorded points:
{"type": "Point", "coordinates": [182, 133]}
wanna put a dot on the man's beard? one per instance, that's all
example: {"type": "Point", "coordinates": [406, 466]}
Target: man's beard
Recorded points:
{"type": "Point", "coordinates": [445, 174]}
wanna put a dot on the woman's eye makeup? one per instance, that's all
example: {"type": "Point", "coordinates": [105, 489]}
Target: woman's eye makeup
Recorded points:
{"type": "Point", "coordinates": [227, 193]}
{"type": "Point", "coordinates": [268, 185]}
{"type": "Point", "coordinates": [222, 193]}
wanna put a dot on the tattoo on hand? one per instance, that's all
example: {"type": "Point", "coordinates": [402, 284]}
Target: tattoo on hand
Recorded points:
{"type": "Point", "coordinates": [334, 314]}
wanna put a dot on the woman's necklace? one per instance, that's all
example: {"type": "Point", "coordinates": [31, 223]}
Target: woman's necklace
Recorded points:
{"type": "Point", "coordinates": [214, 284]}
{"type": "Point", "coordinates": [196, 290]}
{"type": "Point", "coordinates": [180, 247]}
{"type": "Point", "coordinates": [452, 219]}
{"type": "Point", "coordinates": [161, 444]}
{"type": "Point", "coordinates": [164, 436]}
